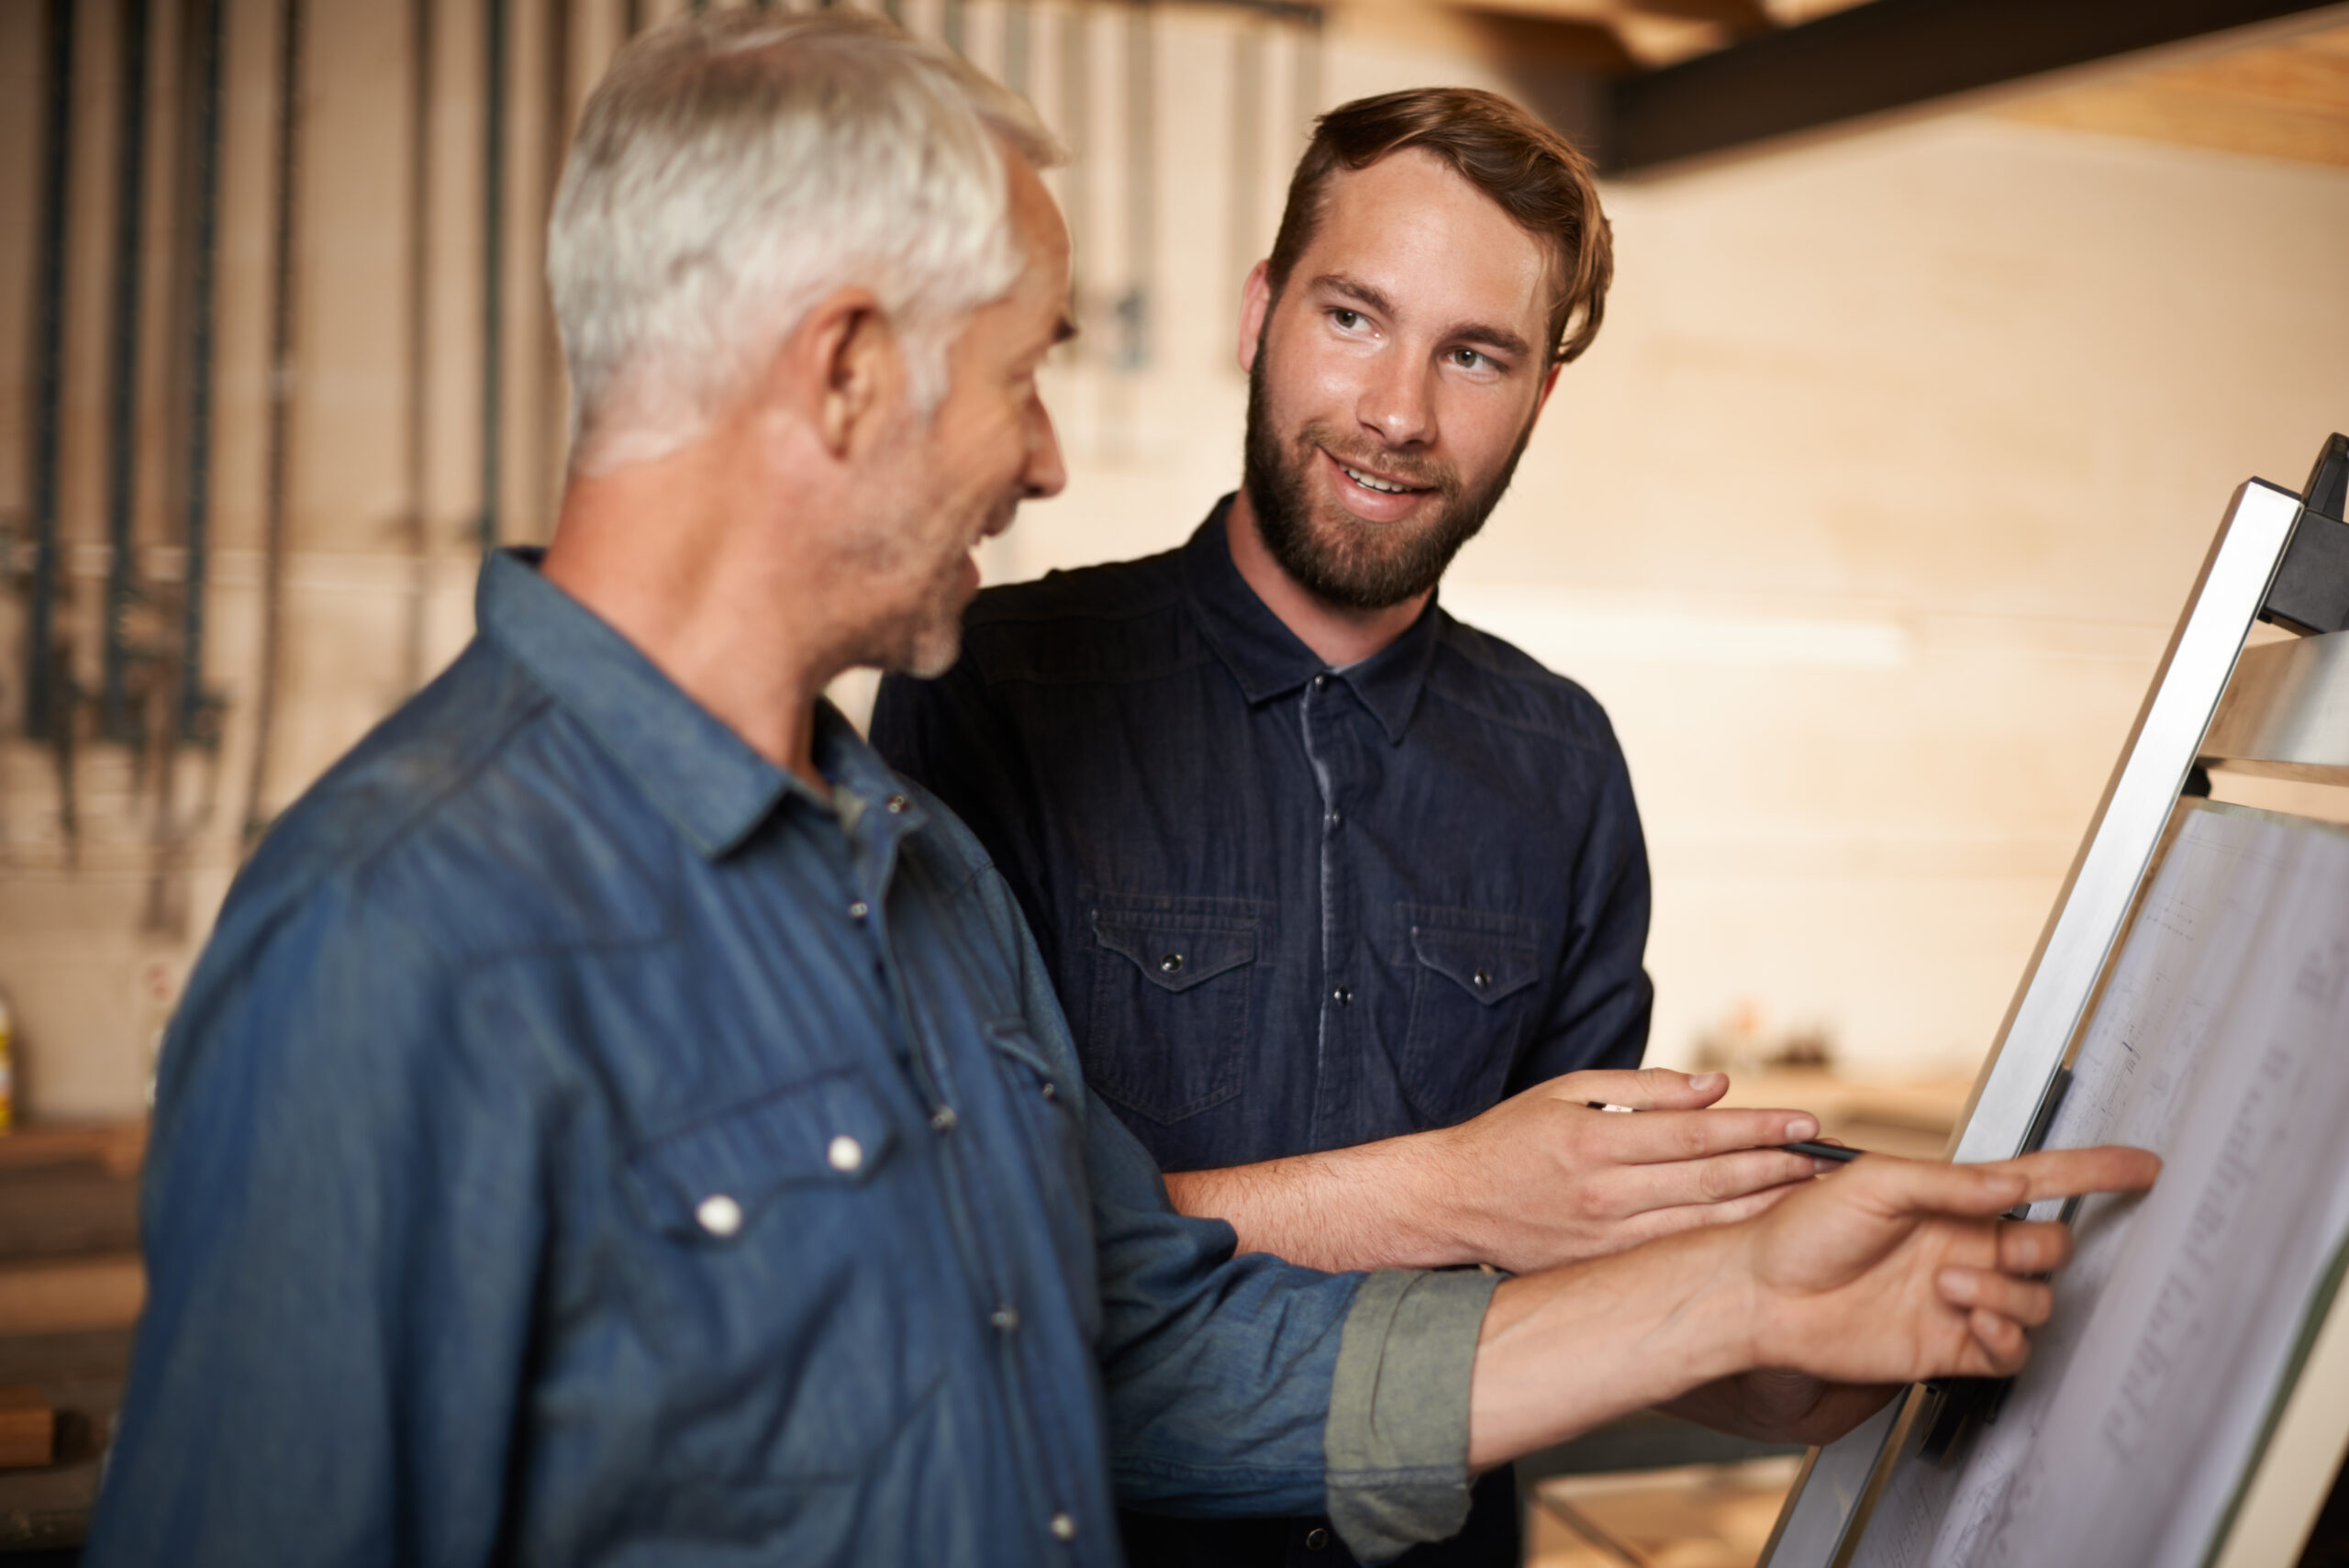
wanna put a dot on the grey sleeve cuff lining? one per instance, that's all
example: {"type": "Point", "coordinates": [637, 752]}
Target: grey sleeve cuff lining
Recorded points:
{"type": "Point", "coordinates": [1396, 1442]}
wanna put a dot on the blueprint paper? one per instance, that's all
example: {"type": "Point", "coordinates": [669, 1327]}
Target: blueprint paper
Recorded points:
{"type": "Point", "coordinates": [2221, 1042]}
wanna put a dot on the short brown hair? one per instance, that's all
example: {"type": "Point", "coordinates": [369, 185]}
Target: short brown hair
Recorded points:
{"type": "Point", "coordinates": [1535, 175]}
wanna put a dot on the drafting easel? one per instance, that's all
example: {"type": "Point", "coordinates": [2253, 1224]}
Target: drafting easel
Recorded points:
{"type": "Point", "coordinates": [2281, 709]}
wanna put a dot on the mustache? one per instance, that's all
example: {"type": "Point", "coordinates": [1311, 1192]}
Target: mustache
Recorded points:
{"type": "Point", "coordinates": [1416, 471]}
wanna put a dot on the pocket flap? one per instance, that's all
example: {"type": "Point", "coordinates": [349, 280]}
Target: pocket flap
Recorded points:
{"type": "Point", "coordinates": [715, 1178]}
{"type": "Point", "coordinates": [1173, 953]}
{"type": "Point", "coordinates": [1486, 966]}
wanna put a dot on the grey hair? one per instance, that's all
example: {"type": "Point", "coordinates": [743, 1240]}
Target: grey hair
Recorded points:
{"type": "Point", "coordinates": [735, 167]}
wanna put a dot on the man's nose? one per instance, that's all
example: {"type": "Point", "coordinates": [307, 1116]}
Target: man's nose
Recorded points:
{"type": "Point", "coordinates": [1046, 474]}
{"type": "Point", "coordinates": [1397, 402]}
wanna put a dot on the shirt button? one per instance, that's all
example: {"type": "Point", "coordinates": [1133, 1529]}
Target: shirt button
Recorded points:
{"type": "Point", "coordinates": [1170, 964]}
{"type": "Point", "coordinates": [859, 910]}
{"type": "Point", "coordinates": [1342, 996]}
{"type": "Point", "coordinates": [1316, 1539]}
{"type": "Point", "coordinates": [897, 805]}
{"type": "Point", "coordinates": [1321, 682]}
{"type": "Point", "coordinates": [943, 1120]}
{"type": "Point", "coordinates": [1064, 1527]}
{"type": "Point", "coordinates": [1482, 980]}
{"type": "Point", "coordinates": [1004, 1319]}
{"type": "Point", "coordinates": [1334, 818]}
{"type": "Point", "coordinates": [1052, 1091]}
{"type": "Point", "coordinates": [845, 1153]}
{"type": "Point", "coordinates": [719, 1215]}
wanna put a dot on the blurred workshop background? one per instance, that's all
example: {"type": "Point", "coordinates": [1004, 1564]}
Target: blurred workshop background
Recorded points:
{"type": "Point", "coordinates": [1943, 330]}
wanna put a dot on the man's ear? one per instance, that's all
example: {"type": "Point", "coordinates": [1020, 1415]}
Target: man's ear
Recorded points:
{"type": "Point", "coordinates": [848, 366]}
{"type": "Point", "coordinates": [1255, 303]}
{"type": "Point", "coordinates": [1549, 385]}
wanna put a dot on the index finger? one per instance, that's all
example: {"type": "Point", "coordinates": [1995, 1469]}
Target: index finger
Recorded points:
{"type": "Point", "coordinates": [1654, 1137]}
{"type": "Point", "coordinates": [2068, 1172]}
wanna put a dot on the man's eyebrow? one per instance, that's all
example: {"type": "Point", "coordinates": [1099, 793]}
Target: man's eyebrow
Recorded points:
{"type": "Point", "coordinates": [1338, 282]}
{"type": "Point", "coordinates": [1498, 338]}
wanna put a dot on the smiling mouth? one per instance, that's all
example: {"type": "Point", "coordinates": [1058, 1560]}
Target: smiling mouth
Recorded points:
{"type": "Point", "coordinates": [1373, 483]}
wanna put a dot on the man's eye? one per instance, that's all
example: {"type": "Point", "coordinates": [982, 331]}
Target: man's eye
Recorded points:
{"type": "Point", "coordinates": [1468, 359]}
{"type": "Point", "coordinates": [1347, 320]}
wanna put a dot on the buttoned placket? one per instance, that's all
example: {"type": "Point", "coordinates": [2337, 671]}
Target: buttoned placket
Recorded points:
{"type": "Point", "coordinates": [873, 834]}
{"type": "Point", "coordinates": [1321, 715]}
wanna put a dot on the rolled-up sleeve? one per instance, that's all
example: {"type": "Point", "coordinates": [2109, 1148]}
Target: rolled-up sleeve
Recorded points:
{"type": "Point", "coordinates": [1397, 1440]}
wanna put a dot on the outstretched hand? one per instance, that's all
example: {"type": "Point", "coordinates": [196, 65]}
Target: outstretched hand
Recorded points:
{"type": "Point", "coordinates": [1544, 1179]}
{"type": "Point", "coordinates": [1895, 1271]}
{"type": "Point", "coordinates": [1799, 1321]}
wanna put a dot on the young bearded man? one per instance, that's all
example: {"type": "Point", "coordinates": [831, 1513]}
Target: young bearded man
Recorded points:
{"type": "Point", "coordinates": [617, 1121]}
{"type": "Point", "coordinates": [1346, 900]}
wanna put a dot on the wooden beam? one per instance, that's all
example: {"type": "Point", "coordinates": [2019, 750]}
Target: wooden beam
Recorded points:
{"type": "Point", "coordinates": [1744, 18]}
{"type": "Point", "coordinates": [1890, 55]}
{"type": "Point", "coordinates": [1528, 34]}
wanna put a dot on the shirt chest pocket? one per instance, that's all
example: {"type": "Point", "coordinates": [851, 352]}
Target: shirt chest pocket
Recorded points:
{"type": "Point", "coordinates": [716, 1181]}
{"type": "Point", "coordinates": [1472, 991]}
{"type": "Point", "coordinates": [775, 1284]}
{"type": "Point", "coordinates": [1167, 1024]}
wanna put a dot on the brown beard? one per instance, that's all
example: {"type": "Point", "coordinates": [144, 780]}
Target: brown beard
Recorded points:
{"type": "Point", "coordinates": [1355, 565]}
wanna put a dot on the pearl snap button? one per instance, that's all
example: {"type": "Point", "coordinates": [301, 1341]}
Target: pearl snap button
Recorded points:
{"type": "Point", "coordinates": [845, 1153]}
{"type": "Point", "coordinates": [1172, 963]}
{"type": "Point", "coordinates": [897, 805]}
{"type": "Point", "coordinates": [1064, 1527]}
{"type": "Point", "coordinates": [719, 1215]}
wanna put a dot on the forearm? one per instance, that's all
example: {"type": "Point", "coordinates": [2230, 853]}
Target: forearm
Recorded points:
{"type": "Point", "coordinates": [1568, 1350]}
{"type": "Point", "coordinates": [1390, 1205]}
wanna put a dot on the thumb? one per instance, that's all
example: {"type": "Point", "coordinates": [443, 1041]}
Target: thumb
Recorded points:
{"type": "Point", "coordinates": [1648, 1089]}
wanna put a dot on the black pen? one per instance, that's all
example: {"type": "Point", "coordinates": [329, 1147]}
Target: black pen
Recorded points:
{"type": "Point", "coordinates": [1835, 1151]}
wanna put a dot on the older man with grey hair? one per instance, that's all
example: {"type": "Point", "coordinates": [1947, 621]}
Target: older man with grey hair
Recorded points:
{"type": "Point", "coordinates": [617, 1121]}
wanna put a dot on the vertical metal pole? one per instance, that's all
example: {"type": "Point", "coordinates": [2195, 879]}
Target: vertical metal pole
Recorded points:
{"type": "Point", "coordinates": [1308, 85]}
{"type": "Point", "coordinates": [193, 712]}
{"type": "Point", "coordinates": [1141, 185]}
{"type": "Point", "coordinates": [122, 391]}
{"type": "Point", "coordinates": [44, 676]}
{"type": "Point", "coordinates": [554, 421]}
{"type": "Point", "coordinates": [1247, 147]}
{"type": "Point", "coordinates": [1077, 115]}
{"type": "Point", "coordinates": [1016, 21]}
{"type": "Point", "coordinates": [420, 299]}
{"type": "Point", "coordinates": [493, 284]}
{"type": "Point", "coordinates": [281, 401]}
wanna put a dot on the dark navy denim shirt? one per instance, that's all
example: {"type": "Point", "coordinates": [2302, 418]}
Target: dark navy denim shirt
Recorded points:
{"type": "Point", "coordinates": [1289, 907]}
{"type": "Point", "coordinates": [583, 1143]}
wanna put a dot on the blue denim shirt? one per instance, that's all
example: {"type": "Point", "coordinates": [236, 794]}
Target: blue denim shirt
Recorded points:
{"type": "Point", "coordinates": [1290, 907]}
{"type": "Point", "coordinates": [583, 1143]}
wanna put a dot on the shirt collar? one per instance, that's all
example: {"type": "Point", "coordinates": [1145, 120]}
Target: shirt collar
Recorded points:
{"type": "Point", "coordinates": [700, 775]}
{"type": "Point", "coordinates": [1268, 660]}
